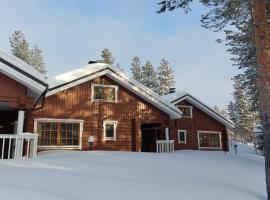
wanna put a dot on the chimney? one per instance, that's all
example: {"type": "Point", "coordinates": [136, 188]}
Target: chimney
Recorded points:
{"type": "Point", "coordinates": [92, 62]}
{"type": "Point", "coordinates": [172, 90]}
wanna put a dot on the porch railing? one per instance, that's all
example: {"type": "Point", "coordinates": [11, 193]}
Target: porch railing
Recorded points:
{"type": "Point", "coordinates": [17, 146]}
{"type": "Point", "coordinates": [165, 146]}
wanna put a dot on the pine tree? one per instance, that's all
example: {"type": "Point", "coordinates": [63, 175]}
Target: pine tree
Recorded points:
{"type": "Point", "coordinates": [149, 76]}
{"type": "Point", "coordinates": [232, 112]}
{"type": "Point", "coordinates": [19, 46]}
{"type": "Point", "coordinates": [136, 70]}
{"type": "Point", "coordinates": [106, 57]}
{"type": "Point", "coordinates": [244, 122]}
{"type": "Point", "coordinates": [165, 77]}
{"type": "Point", "coordinates": [36, 60]}
{"type": "Point", "coordinates": [20, 49]}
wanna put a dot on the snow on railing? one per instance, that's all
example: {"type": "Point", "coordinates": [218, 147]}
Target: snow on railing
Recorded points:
{"type": "Point", "coordinates": [16, 146]}
{"type": "Point", "coordinates": [165, 146]}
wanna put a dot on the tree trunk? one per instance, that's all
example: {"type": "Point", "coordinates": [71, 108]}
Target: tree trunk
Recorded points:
{"type": "Point", "coordinates": [263, 60]}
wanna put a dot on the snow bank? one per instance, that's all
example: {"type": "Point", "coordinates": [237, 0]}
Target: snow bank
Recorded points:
{"type": "Point", "coordinates": [74, 175]}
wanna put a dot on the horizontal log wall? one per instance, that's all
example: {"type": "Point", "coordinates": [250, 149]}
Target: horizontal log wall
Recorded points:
{"type": "Point", "coordinates": [75, 103]}
{"type": "Point", "coordinates": [199, 121]}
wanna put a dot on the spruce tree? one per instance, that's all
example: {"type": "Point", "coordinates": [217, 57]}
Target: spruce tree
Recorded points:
{"type": "Point", "coordinates": [36, 60]}
{"type": "Point", "coordinates": [232, 112]}
{"type": "Point", "coordinates": [20, 49]}
{"type": "Point", "coordinates": [19, 46]}
{"type": "Point", "coordinates": [244, 122]}
{"type": "Point", "coordinates": [149, 76]}
{"type": "Point", "coordinates": [106, 57]}
{"type": "Point", "coordinates": [165, 77]}
{"type": "Point", "coordinates": [136, 70]}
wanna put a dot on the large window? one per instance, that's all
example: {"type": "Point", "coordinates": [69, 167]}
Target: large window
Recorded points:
{"type": "Point", "coordinates": [104, 93]}
{"type": "Point", "coordinates": [186, 110]}
{"type": "Point", "coordinates": [58, 133]}
{"type": "Point", "coordinates": [209, 139]}
{"type": "Point", "coordinates": [182, 136]}
{"type": "Point", "coordinates": [109, 130]}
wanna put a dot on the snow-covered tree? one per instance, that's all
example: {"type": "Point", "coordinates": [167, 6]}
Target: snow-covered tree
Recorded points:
{"type": "Point", "coordinates": [244, 122]}
{"type": "Point", "coordinates": [136, 69]}
{"type": "Point", "coordinates": [149, 76]}
{"type": "Point", "coordinates": [19, 46]}
{"type": "Point", "coordinates": [222, 111]}
{"type": "Point", "coordinates": [20, 49]}
{"type": "Point", "coordinates": [106, 57]}
{"type": "Point", "coordinates": [232, 112]}
{"type": "Point", "coordinates": [36, 60]}
{"type": "Point", "coordinates": [165, 77]}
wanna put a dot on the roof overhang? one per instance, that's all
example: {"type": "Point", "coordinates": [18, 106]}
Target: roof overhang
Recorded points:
{"type": "Point", "coordinates": [24, 74]}
{"type": "Point", "coordinates": [123, 80]}
{"type": "Point", "coordinates": [203, 107]}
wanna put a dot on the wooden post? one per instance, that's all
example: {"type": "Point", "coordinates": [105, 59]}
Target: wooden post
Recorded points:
{"type": "Point", "coordinates": [20, 122]}
{"type": "Point", "coordinates": [262, 41]}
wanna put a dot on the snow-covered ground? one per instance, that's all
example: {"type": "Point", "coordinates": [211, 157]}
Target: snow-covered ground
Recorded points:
{"type": "Point", "coordinates": [187, 175]}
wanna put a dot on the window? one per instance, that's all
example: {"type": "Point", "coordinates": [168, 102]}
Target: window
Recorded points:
{"type": "Point", "coordinates": [106, 93]}
{"type": "Point", "coordinates": [57, 133]}
{"type": "Point", "coordinates": [109, 130]}
{"type": "Point", "coordinates": [182, 136]}
{"type": "Point", "coordinates": [186, 110]}
{"type": "Point", "coordinates": [209, 139]}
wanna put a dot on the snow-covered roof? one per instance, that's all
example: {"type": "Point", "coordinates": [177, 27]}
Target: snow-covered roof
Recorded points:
{"type": "Point", "coordinates": [91, 71]}
{"type": "Point", "coordinates": [23, 73]}
{"type": "Point", "coordinates": [179, 96]}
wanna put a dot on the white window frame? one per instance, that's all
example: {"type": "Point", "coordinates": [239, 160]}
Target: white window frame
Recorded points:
{"type": "Point", "coordinates": [114, 130]}
{"type": "Point", "coordinates": [191, 110]}
{"type": "Point", "coordinates": [210, 132]}
{"type": "Point", "coordinates": [104, 85]}
{"type": "Point", "coordinates": [185, 134]}
{"type": "Point", "coordinates": [78, 121]}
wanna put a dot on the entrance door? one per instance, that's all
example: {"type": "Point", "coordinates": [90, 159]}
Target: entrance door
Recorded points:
{"type": "Point", "coordinates": [150, 134]}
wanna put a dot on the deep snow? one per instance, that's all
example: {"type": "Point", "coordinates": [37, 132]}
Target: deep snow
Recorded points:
{"type": "Point", "coordinates": [104, 175]}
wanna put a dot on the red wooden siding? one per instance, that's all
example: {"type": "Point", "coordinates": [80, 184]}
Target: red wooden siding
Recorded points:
{"type": "Point", "coordinates": [14, 93]}
{"type": "Point", "coordinates": [200, 121]}
{"type": "Point", "coordinates": [130, 111]}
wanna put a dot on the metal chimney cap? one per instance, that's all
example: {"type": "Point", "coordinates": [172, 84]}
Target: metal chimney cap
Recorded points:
{"type": "Point", "coordinates": [92, 62]}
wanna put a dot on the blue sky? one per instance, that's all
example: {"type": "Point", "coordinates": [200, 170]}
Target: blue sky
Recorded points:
{"type": "Point", "coordinates": [71, 33]}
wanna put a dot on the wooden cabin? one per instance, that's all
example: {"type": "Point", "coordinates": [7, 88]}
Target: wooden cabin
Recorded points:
{"type": "Point", "coordinates": [22, 89]}
{"type": "Point", "coordinates": [101, 103]}
{"type": "Point", "coordinates": [200, 128]}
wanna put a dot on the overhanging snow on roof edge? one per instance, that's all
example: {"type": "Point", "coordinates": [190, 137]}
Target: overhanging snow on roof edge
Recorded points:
{"type": "Point", "coordinates": [78, 76]}
{"type": "Point", "coordinates": [180, 96]}
{"type": "Point", "coordinates": [22, 72]}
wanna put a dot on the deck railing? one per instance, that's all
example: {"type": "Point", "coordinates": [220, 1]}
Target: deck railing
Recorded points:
{"type": "Point", "coordinates": [17, 146]}
{"type": "Point", "coordinates": [165, 146]}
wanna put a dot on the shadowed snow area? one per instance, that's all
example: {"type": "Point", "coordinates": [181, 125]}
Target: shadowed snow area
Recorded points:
{"type": "Point", "coordinates": [74, 175]}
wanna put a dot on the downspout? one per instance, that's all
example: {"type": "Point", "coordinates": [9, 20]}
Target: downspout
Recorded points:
{"type": "Point", "coordinates": [42, 98]}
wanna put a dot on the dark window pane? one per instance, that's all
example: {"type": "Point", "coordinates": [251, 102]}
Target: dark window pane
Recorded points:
{"type": "Point", "coordinates": [110, 130]}
{"type": "Point", "coordinates": [182, 136]}
{"type": "Point", "coordinates": [209, 140]}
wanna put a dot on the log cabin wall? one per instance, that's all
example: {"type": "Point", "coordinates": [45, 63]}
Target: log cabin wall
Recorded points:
{"type": "Point", "coordinates": [200, 121]}
{"type": "Point", "coordinates": [14, 93]}
{"type": "Point", "coordinates": [130, 111]}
